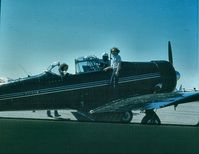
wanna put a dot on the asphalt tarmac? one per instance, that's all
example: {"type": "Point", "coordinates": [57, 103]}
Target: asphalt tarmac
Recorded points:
{"type": "Point", "coordinates": [185, 114]}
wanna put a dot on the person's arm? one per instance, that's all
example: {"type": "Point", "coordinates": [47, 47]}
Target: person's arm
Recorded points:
{"type": "Point", "coordinates": [118, 69]}
{"type": "Point", "coordinates": [107, 68]}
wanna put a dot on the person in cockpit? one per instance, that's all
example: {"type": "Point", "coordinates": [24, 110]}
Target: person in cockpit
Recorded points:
{"type": "Point", "coordinates": [63, 68]}
{"type": "Point", "coordinates": [105, 61]}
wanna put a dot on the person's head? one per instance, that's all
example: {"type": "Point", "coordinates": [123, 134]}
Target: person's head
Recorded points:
{"type": "Point", "coordinates": [115, 51]}
{"type": "Point", "coordinates": [63, 68]}
{"type": "Point", "coordinates": [105, 56]}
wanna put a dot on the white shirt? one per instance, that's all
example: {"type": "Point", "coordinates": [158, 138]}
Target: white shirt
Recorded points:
{"type": "Point", "coordinates": [115, 61]}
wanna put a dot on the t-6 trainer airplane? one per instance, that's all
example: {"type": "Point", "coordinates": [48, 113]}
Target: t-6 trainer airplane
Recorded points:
{"type": "Point", "coordinates": [143, 86]}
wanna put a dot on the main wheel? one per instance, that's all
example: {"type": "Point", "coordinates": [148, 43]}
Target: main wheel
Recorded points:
{"type": "Point", "coordinates": [127, 117]}
{"type": "Point", "coordinates": [151, 118]}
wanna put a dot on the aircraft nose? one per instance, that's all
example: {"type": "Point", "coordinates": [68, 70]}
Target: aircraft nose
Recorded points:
{"type": "Point", "coordinates": [177, 75]}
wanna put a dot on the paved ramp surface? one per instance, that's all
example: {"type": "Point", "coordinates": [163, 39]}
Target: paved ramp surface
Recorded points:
{"type": "Point", "coordinates": [185, 114]}
{"type": "Point", "coordinates": [21, 136]}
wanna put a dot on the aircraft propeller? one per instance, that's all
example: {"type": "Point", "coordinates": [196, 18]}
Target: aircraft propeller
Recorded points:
{"type": "Point", "coordinates": [170, 53]}
{"type": "Point", "coordinates": [170, 56]}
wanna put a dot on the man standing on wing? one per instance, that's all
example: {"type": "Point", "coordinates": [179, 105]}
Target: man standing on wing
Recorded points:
{"type": "Point", "coordinates": [115, 66]}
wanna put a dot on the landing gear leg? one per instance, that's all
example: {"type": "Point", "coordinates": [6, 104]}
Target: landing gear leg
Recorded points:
{"type": "Point", "coordinates": [151, 118]}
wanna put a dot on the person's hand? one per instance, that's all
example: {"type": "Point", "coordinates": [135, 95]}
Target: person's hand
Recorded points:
{"type": "Point", "coordinates": [116, 73]}
{"type": "Point", "coordinates": [105, 69]}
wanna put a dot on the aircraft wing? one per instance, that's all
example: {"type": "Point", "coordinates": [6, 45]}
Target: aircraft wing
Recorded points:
{"type": "Point", "coordinates": [148, 102]}
{"type": "Point", "coordinates": [3, 80]}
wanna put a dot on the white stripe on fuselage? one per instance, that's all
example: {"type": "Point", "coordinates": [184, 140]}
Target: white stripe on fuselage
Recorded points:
{"type": "Point", "coordinates": [77, 86]}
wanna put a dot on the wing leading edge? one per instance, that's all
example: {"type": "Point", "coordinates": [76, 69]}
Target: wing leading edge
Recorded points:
{"type": "Point", "coordinates": [148, 102]}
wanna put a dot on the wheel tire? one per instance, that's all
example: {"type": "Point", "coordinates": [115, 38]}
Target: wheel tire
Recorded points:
{"type": "Point", "coordinates": [126, 117]}
{"type": "Point", "coordinates": [151, 118]}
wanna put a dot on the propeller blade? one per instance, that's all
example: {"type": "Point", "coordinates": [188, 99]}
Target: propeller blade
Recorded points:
{"type": "Point", "coordinates": [170, 53]}
{"type": "Point", "coordinates": [171, 59]}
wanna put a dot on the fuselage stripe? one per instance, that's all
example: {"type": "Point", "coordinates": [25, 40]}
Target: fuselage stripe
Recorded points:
{"type": "Point", "coordinates": [77, 86]}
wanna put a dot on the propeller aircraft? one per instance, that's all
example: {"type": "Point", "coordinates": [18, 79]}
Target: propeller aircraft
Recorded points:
{"type": "Point", "coordinates": [144, 86]}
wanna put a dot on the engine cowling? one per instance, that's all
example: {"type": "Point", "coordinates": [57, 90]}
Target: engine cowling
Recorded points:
{"type": "Point", "coordinates": [168, 75]}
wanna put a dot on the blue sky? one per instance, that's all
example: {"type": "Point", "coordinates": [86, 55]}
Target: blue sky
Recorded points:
{"type": "Point", "coordinates": [35, 33]}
